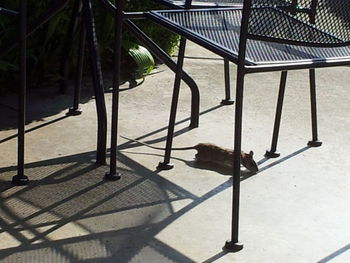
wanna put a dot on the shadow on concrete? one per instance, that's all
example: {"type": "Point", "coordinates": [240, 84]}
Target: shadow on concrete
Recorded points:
{"type": "Point", "coordinates": [335, 254]}
{"type": "Point", "coordinates": [69, 213]}
{"type": "Point", "coordinates": [34, 128]}
{"type": "Point", "coordinates": [280, 160]}
{"type": "Point", "coordinates": [223, 170]}
{"type": "Point", "coordinates": [131, 144]}
{"type": "Point", "coordinates": [215, 257]}
{"type": "Point", "coordinates": [41, 103]}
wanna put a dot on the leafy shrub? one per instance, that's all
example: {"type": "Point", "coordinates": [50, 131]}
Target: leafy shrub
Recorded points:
{"type": "Point", "coordinates": [45, 45]}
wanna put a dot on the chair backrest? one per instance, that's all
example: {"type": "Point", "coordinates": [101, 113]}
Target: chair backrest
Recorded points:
{"type": "Point", "coordinates": [301, 22]}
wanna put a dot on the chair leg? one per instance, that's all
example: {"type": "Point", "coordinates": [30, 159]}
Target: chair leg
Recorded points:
{"type": "Point", "coordinates": [75, 110]}
{"type": "Point", "coordinates": [166, 165]}
{"type": "Point", "coordinates": [118, 22]}
{"type": "Point", "coordinates": [314, 142]}
{"type": "Point", "coordinates": [227, 100]}
{"type": "Point", "coordinates": [164, 57]}
{"type": "Point", "coordinates": [272, 153]}
{"type": "Point", "coordinates": [234, 245]}
{"type": "Point", "coordinates": [97, 82]}
{"type": "Point", "coordinates": [20, 178]}
{"type": "Point", "coordinates": [67, 46]}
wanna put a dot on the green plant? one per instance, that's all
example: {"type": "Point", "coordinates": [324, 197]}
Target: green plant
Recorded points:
{"type": "Point", "coordinates": [46, 44]}
{"type": "Point", "coordinates": [164, 38]}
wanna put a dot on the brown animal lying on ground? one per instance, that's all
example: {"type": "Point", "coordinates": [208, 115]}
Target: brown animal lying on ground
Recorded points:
{"type": "Point", "coordinates": [210, 153]}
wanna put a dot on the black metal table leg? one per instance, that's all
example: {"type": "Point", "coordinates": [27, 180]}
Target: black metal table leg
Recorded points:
{"type": "Point", "coordinates": [314, 142]}
{"type": "Point", "coordinates": [272, 153]}
{"type": "Point", "coordinates": [234, 245]}
{"type": "Point", "coordinates": [75, 110]}
{"type": "Point", "coordinates": [166, 165]}
{"type": "Point", "coordinates": [73, 25]}
{"type": "Point", "coordinates": [118, 22]}
{"type": "Point", "coordinates": [20, 178]}
{"type": "Point", "coordinates": [67, 46]}
{"type": "Point", "coordinates": [227, 100]}
{"type": "Point", "coordinates": [97, 82]}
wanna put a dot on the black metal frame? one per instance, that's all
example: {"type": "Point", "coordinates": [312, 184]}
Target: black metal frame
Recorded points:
{"type": "Point", "coordinates": [118, 24]}
{"type": "Point", "coordinates": [246, 67]}
{"type": "Point", "coordinates": [20, 178]}
{"type": "Point", "coordinates": [124, 19]}
{"type": "Point", "coordinates": [243, 67]}
{"type": "Point", "coordinates": [160, 54]}
{"type": "Point", "coordinates": [24, 32]}
{"type": "Point", "coordinates": [186, 5]}
{"type": "Point", "coordinates": [82, 10]}
{"type": "Point", "coordinates": [164, 57]}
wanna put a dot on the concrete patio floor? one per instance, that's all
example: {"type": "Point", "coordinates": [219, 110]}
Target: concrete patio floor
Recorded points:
{"type": "Point", "coordinates": [295, 209]}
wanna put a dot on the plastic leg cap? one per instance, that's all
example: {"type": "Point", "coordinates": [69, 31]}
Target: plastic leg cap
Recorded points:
{"type": "Point", "coordinates": [165, 166]}
{"type": "Point", "coordinates": [233, 246]}
{"type": "Point", "coordinates": [20, 180]}
{"type": "Point", "coordinates": [193, 125]}
{"type": "Point", "coordinates": [270, 154]}
{"type": "Point", "coordinates": [74, 112]}
{"type": "Point", "coordinates": [316, 143]}
{"type": "Point", "coordinates": [227, 102]}
{"type": "Point", "coordinates": [112, 176]}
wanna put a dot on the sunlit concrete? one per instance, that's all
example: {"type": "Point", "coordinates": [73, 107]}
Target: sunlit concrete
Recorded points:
{"type": "Point", "coordinates": [296, 209]}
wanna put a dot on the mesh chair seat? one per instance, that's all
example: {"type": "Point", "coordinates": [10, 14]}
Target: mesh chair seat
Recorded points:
{"type": "Point", "coordinates": [221, 29]}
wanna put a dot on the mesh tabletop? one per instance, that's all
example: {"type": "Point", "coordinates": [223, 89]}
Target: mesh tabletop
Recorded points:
{"type": "Point", "coordinates": [220, 29]}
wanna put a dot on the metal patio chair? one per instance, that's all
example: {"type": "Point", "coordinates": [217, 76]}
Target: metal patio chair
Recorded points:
{"type": "Point", "coordinates": [263, 36]}
{"type": "Point", "coordinates": [26, 29]}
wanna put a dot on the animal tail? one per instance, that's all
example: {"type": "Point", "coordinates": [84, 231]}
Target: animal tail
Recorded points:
{"type": "Point", "coordinates": [142, 143]}
{"type": "Point", "coordinates": [157, 148]}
